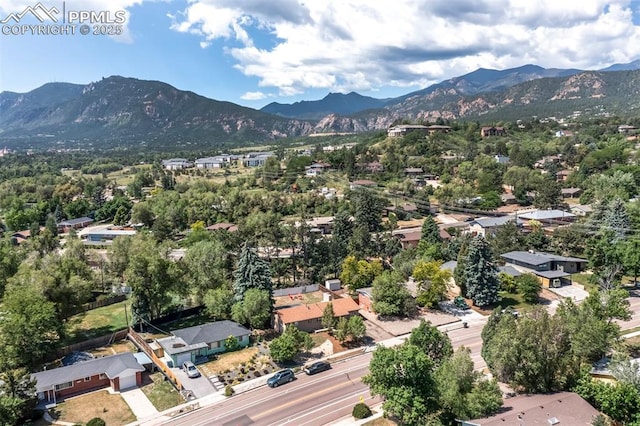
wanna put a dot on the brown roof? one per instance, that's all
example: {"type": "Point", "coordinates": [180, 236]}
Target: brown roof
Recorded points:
{"type": "Point", "coordinates": [223, 225]}
{"type": "Point", "coordinates": [341, 307]}
{"type": "Point", "coordinates": [567, 407]}
{"type": "Point", "coordinates": [363, 182]}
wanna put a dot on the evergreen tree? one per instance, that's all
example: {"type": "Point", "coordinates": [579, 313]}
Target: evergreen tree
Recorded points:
{"type": "Point", "coordinates": [459, 273]}
{"type": "Point", "coordinates": [328, 316]}
{"type": "Point", "coordinates": [430, 231]}
{"type": "Point", "coordinates": [617, 220]}
{"type": "Point", "coordinates": [251, 272]}
{"type": "Point", "coordinates": [481, 275]}
{"type": "Point", "coordinates": [367, 210]}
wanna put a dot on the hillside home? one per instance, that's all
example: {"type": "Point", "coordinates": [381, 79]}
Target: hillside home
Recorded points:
{"type": "Point", "coordinates": [492, 131]}
{"type": "Point", "coordinates": [257, 159]}
{"type": "Point", "coordinates": [626, 129]}
{"type": "Point", "coordinates": [373, 167]}
{"type": "Point", "coordinates": [552, 270]}
{"type": "Point", "coordinates": [229, 227]}
{"type": "Point", "coordinates": [200, 341]}
{"type": "Point", "coordinates": [316, 169]}
{"type": "Point", "coordinates": [119, 372]}
{"type": "Point", "coordinates": [571, 192]}
{"type": "Point", "coordinates": [361, 183]}
{"type": "Point", "coordinates": [176, 164]}
{"type": "Point", "coordinates": [437, 128]}
{"type": "Point", "coordinates": [322, 225]}
{"type": "Point", "coordinates": [487, 226]}
{"type": "Point", "coordinates": [581, 209]}
{"type": "Point", "coordinates": [404, 129]}
{"type": "Point", "coordinates": [210, 163]}
{"type": "Point", "coordinates": [104, 235]}
{"type": "Point", "coordinates": [78, 223]}
{"type": "Point", "coordinates": [308, 317]}
{"type": "Point", "coordinates": [501, 159]}
{"type": "Point", "coordinates": [413, 171]}
{"type": "Point", "coordinates": [548, 217]}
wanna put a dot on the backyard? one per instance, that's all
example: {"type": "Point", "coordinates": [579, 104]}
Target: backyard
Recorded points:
{"type": "Point", "coordinates": [98, 322]}
{"type": "Point", "coordinates": [109, 407]}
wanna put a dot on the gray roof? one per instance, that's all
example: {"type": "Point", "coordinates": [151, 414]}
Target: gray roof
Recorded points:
{"type": "Point", "coordinates": [449, 265]}
{"type": "Point", "coordinates": [538, 258]}
{"type": "Point", "coordinates": [113, 366]}
{"type": "Point", "coordinates": [552, 274]}
{"type": "Point", "coordinates": [366, 291]}
{"type": "Point", "coordinates": [509, 270]}
{"type": "Point", "coordinates": [76, 221]}
{"type": "Point", "coordinates": [490, 222]}
{"type": "Point", "coordinates": [199, 336]}
{"type": "Point", "coordinates": [545, 214]}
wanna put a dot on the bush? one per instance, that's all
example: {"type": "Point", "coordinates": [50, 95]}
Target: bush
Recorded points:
{"type": "Point", "coordinates": [361, 411]}
{"type": "Point", "coordinates": [228, 390]}
{"type": "Point", "coordinates": [96, 421]}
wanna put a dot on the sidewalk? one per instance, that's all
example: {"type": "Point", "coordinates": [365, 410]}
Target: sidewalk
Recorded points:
{"type": "Point", "coordinates": [350, 421]}
{"type": "Point", "coordinates": [139, 403]}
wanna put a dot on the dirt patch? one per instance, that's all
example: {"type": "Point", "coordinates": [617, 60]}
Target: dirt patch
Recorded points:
{"type": "Point", "coordinates": [109, 407]}
{"type": "Point", "coordinates": [229, 361]}
{"type": "Point", "coordinates": [114, 348]}
{"type": "Point", "coordinates": [299, 299]}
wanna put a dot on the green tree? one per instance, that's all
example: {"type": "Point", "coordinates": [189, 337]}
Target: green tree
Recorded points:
{"type": "Point", "coordinates": [403, 376]}
{"type": "Point", "coordinates": [359, 273]}
{"type": "Point", "coordinates": [431, 341]}
{"type": "Point", "coordinates": [342, 329]}
{"type": "Point", "coordinates": [231, 343]}
{"type": "Point", "coordinates": [288, 345]}
{"type": "Point", "coordinates": [506, 238]}
{"type": "Point", "coordinates": [529, 286]}
{"type": "Point", "coordinates": [254, 309]}
{"type": "Point", "coordinates": [391, 296]}
{"type": "Point", "coordinates": [619, 401]}
{"type": "Point", "coordinates": [367, 210]}
{"type": "Point", "coordinates": [30, 328]}
{"type": "Point", "coordinates": [430, 240]}
{"type": "Point", "coordinates": [328, 316]}
{"type": "Point", "coordinates": [357, 328]}
{"type": "Point", "coordinates": [251, 272]}
{"type": "Point", "coordinates": [433, 282]}
{"type": "Point", "coordinates": [209, 266]}
{"type": "Point", "coordinates": [218, 302]}
{"type": "Point", "coordinates": [481, 276]}
{"type": "Point", "coordinates": [17, 395]}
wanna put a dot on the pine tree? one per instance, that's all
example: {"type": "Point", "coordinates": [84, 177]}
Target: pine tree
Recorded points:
{"type": "Point", "coordinates": [328, 316]}
{"type": "Point", "coordinates": [616, 219]}
{"type": "Point", "coordinates": [481, 275]}
{"type": "Point", "coordinates": [251, 272]}
{"type": "Point", "coordinates": [430, 231]}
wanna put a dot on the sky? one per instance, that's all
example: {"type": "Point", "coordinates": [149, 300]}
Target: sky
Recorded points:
{"type": "Point", "coordinates": [253, 52]}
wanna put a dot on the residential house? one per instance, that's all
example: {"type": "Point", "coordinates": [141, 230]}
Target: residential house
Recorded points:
{"type": "Point", "coordinates": [552, 270]}
{"type": "Point", "coordinates": [571, 192]}
{"type": "Point", "coordinates": [200, 341]}
{"type": "Point", "coordinates": [404, 129]}
{"type": "Point", "coordinates": [410, 237]}
{"type": "Point", "coordinates": [562, 408]}
{"type": "Point", "coordinates": [119, 372]}
{"type": "Point", "coordinates": [600, 370]}
{"type": "Point", "coordinates": [210, 163]}
{"type": "Point", "coordinates": [230, 227]}
{"type": "Point", "coordinates": [402, 209]}
{"type": "Point", "coordinates": [508, 198]}
{"type": "Point", "coordinates": [492, 131]}
{"type": "Point", "coordinates": [361, 183]}
{"type": "Point", "coordinates": [78, 223]}
{"type": "Point", "coordinates": [501, 159]}
{"type": "Point", "coordinates": [437, 128]}
{"type": "Point", "coordinates": [257, 159]}
{"type": "Point", "coordinates": [413, 171]}
{"type": "Point", "coordinates": [548, 217]}
{"type": "Point", "coordinates": [626, 129]}
{"type": "Point", "coordinates": [322, 225]}
{"type": "Point", "coordinates": [581, 209]}
{"type": "Point", "coordinates": [562, 175]}
{"type": "Point", "coordinates": [374, 167]}
{"type": "Point", "coordinates": [308, 317]}
{"type": "Point", "coordinates": [316, 169]}
{"type": "Point", "coordinates": [547, 160]}
{"type": "Point", "coordinates": [105, 235]}
{"type": "Point", "coordinates": [20, 237]}
{"type": "Point", "coordinates": [176, 164]}
{"type": "Point", "coordinates": [487, 226]}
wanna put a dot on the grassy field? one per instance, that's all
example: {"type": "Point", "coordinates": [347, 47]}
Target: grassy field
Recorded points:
{"type": "Point", "coordinates": [110, 408]}
{"type": "Point", "coordinates": [161, 392]}
{"type": "Point", "coordinates": [98, 322]}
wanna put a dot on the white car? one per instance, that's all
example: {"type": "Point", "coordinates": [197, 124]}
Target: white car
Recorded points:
{"type": "Point", "coordinates": [190, 369]}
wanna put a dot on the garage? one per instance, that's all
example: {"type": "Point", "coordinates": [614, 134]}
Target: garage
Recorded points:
{"type": "Point", "coordinates": [128, 381]}
{"type": "Point", "coordinates": [185, 356]}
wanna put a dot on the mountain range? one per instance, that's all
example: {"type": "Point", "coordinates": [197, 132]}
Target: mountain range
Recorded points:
{"type": "Point", "coordinates": [127, 112]}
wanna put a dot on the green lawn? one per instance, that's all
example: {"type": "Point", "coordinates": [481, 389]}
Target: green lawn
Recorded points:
{"type": "Point", "coordinates": [98, 322]}
{"type": "Point", "coordinates": [583, 279]}
{"type": "Point", "coordinates": [187, 322]}
{"type": "Point", "coordinates": [513, 300]}
{"type": "Point", "coordinates": [161, 392]}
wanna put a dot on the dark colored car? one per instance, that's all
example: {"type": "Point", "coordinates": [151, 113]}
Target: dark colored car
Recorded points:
{"type": "Point", "coordinates": [460, 303]}
{"type": "Point", "coordinates": [317, 367]}
{"type": "Point", "coordinates": [281, 377]}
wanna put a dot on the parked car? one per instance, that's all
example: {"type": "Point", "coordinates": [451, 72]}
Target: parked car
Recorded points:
{"type": "Point", "coordinates": [316, 367]}
{"type": "Point", "coordinates": [190, 369]}
{"type": "Point", "coordinates": [281, 377]}
{"type": "Point", "coordinates": [460, 303]}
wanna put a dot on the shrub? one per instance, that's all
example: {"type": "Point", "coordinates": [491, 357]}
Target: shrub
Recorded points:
{"type": "Point", "coordinates": [228, 390]}
{"type": "Point", "coordinates": [361, 411]}
{"type": "Point", "coordinates": [96, 421]}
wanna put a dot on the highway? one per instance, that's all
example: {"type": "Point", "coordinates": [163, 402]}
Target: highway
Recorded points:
{"type": "Point", "coordinates": [313, 400]}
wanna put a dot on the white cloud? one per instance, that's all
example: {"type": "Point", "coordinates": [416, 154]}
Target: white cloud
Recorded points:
{"type": "Point", "coordinates": [253, 96]}
{"type": "Point", "coordinates": [343, 45]}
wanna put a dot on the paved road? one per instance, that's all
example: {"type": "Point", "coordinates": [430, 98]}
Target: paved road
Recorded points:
{"type": "Point", "coordinates": [308, 401]}
{"type": "Point", "coordinates": [634, 301]}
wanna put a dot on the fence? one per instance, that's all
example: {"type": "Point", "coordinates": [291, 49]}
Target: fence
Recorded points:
{"type": "Point", "coordinates": [91, 343]}
{"type": "Point", "coordinates": [97, 304]}
{"type": "Point", "coordinates": [144, 347]}
{"type": "Point", "coordinates": [296, 290]}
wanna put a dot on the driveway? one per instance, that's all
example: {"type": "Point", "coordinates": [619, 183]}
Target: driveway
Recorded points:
{"type": "Point", "coordinates": [577, 294]}
{"type": "Point", "coordinates": [139, 403]}
{"type": "Point", "coordinates": [200, 386]}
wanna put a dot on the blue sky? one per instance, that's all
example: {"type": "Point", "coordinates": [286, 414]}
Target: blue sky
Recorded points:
{"type": "Point", "coordinates": [253, 52]}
